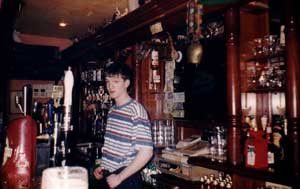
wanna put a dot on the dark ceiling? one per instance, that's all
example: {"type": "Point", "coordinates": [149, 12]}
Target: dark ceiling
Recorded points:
{"type": "Point", "coordinates": [41, 17]}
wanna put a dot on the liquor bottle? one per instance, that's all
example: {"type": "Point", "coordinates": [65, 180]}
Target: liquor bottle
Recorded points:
{"type": "Point", "coordinates": [282, 36]}
{"type": "Point", "coordinates": [97, 160]}
{"type": "Point", "coordinates": [98, 125]}
{"type": "Point", "coordinates": [281, 141]}
{"type": "Point", "coordinates": [284, 149]}
{"type": "Point", "coordinates": [49, 119]}
{"type": "Point", "coordinates": [256, 150]}
{"type": "Point", "coordinates": [245, 131]}
{"type": "Point", "coordinates": [273, 154]}
{"type": "Point", "coordinates": [155, 70]}
{"type": "Point", "coordinates": [99, 74]}
{"type": "Point", "coordinates": [272, 149]}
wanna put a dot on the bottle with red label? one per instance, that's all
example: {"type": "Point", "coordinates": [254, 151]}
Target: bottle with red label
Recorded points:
{"type": "Point", "coordinates": [255, 150]}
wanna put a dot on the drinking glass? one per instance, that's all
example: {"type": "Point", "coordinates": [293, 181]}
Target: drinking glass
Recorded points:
{"type": "Point", "coordinates": [257, 46]}
{"type": "Point", "coordinates": [270, 44]}
{"type": "Point", "coordinates": [65, 178]}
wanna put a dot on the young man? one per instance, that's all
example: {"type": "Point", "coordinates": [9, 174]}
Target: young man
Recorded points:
{"type": "Point", "coordinates": [128, 142]}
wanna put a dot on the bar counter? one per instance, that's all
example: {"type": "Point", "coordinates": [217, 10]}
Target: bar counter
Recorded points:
{"type": "Point", "coordinates": [284, 177]}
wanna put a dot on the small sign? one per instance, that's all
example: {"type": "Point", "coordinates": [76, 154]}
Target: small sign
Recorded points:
{"type": "Point", "coordinates": [156, 28]}
{"type": "Point", "coordinates": [179, 97]}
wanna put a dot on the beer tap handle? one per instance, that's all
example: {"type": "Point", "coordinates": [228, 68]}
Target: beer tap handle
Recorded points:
{"type": "Point", "coordinates": [18, 104]}
{"type": "Point", "coordinates": [27, 93]}
{"type": "Point", "coordinates": [68, 87]}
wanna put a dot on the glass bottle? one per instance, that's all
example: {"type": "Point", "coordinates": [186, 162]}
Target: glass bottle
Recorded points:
{"type": "Point", "coordinates": [281, 140]}
{"type": "Point", "coordinates": [97, 160]}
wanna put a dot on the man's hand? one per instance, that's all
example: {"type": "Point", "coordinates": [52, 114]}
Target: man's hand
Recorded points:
{"type": "Point", "coordinates": [98, 173]}
{"type": "Point", "coordinates": [113, 180]}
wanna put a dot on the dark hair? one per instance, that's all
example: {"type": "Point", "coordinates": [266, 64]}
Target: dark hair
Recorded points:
{"type": "Point", "coordinates": [121, 69]}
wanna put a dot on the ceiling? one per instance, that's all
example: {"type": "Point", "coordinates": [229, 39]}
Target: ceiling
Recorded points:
{"type": "Point", "coordinates": [41, 17]}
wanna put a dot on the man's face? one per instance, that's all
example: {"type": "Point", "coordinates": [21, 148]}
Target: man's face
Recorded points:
{"type": "Point", "coordinates": [116, 86]}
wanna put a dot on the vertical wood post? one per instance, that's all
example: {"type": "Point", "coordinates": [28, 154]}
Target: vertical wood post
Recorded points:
{"type": "Point", "coordinates": [233, 85]}
{"type": "Point", "coordinates": [137, 80]}
{"type": "Point", "coordinates": [293, 85]}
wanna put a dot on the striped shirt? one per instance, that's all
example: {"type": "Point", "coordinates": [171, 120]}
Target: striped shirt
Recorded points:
{"type": "Point", "coordinates": [128, 129]}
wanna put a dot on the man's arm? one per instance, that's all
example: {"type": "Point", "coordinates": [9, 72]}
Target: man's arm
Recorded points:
{"type": "Point", "coordinates": [143, 156]}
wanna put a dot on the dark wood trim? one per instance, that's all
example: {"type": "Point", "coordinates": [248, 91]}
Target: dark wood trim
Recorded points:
{"type": "Point", "coordinates": [293, 84]}
{"type": "Point", "coordinates": [233, 85]}
{"type": "Point", "coordinates": [134, 27]}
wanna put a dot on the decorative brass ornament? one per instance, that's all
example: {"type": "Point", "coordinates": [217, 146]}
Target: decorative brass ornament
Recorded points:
{"type": "Point", "coordinates": [194, 20]}
{"type": "Point", "coordinates": [194, 53]}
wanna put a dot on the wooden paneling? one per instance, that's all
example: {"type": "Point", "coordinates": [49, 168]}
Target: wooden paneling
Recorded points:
{"type": "Point", "coordinates": [252, 26]}
{"type": "Point", "coordinates": [246, 182]}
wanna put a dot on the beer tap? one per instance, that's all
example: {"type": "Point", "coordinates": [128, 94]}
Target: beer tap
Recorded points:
{"type": "Point", "coordinates": [68, 87]}
{"type": "Point", "coordinates": [27, 91]}
{"type": "Point", "coordinates": [27, 97]}
{"type": "Point", "coordinates": [17, 100]}
{"type": "Point", "coordinates": [55, 139]}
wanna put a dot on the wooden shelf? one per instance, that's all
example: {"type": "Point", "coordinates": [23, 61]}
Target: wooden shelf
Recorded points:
{"type": "Point", "coordinates": [263, 57]}
{"type": "Point", "coordinates": [266, 90]}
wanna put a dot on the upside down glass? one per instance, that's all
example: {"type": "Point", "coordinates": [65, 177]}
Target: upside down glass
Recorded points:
{"type": "Point", "coordinates": [218, 144]}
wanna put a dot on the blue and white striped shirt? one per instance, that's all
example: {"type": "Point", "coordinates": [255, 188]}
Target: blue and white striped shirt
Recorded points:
{"type": "Point", "coordinates": [128, 129]}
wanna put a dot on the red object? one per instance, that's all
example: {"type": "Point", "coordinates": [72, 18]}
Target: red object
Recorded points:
{"type": "Point", "coordinates": [256, 150]}
{"type": "Point", "coordinates": [19, 160]}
